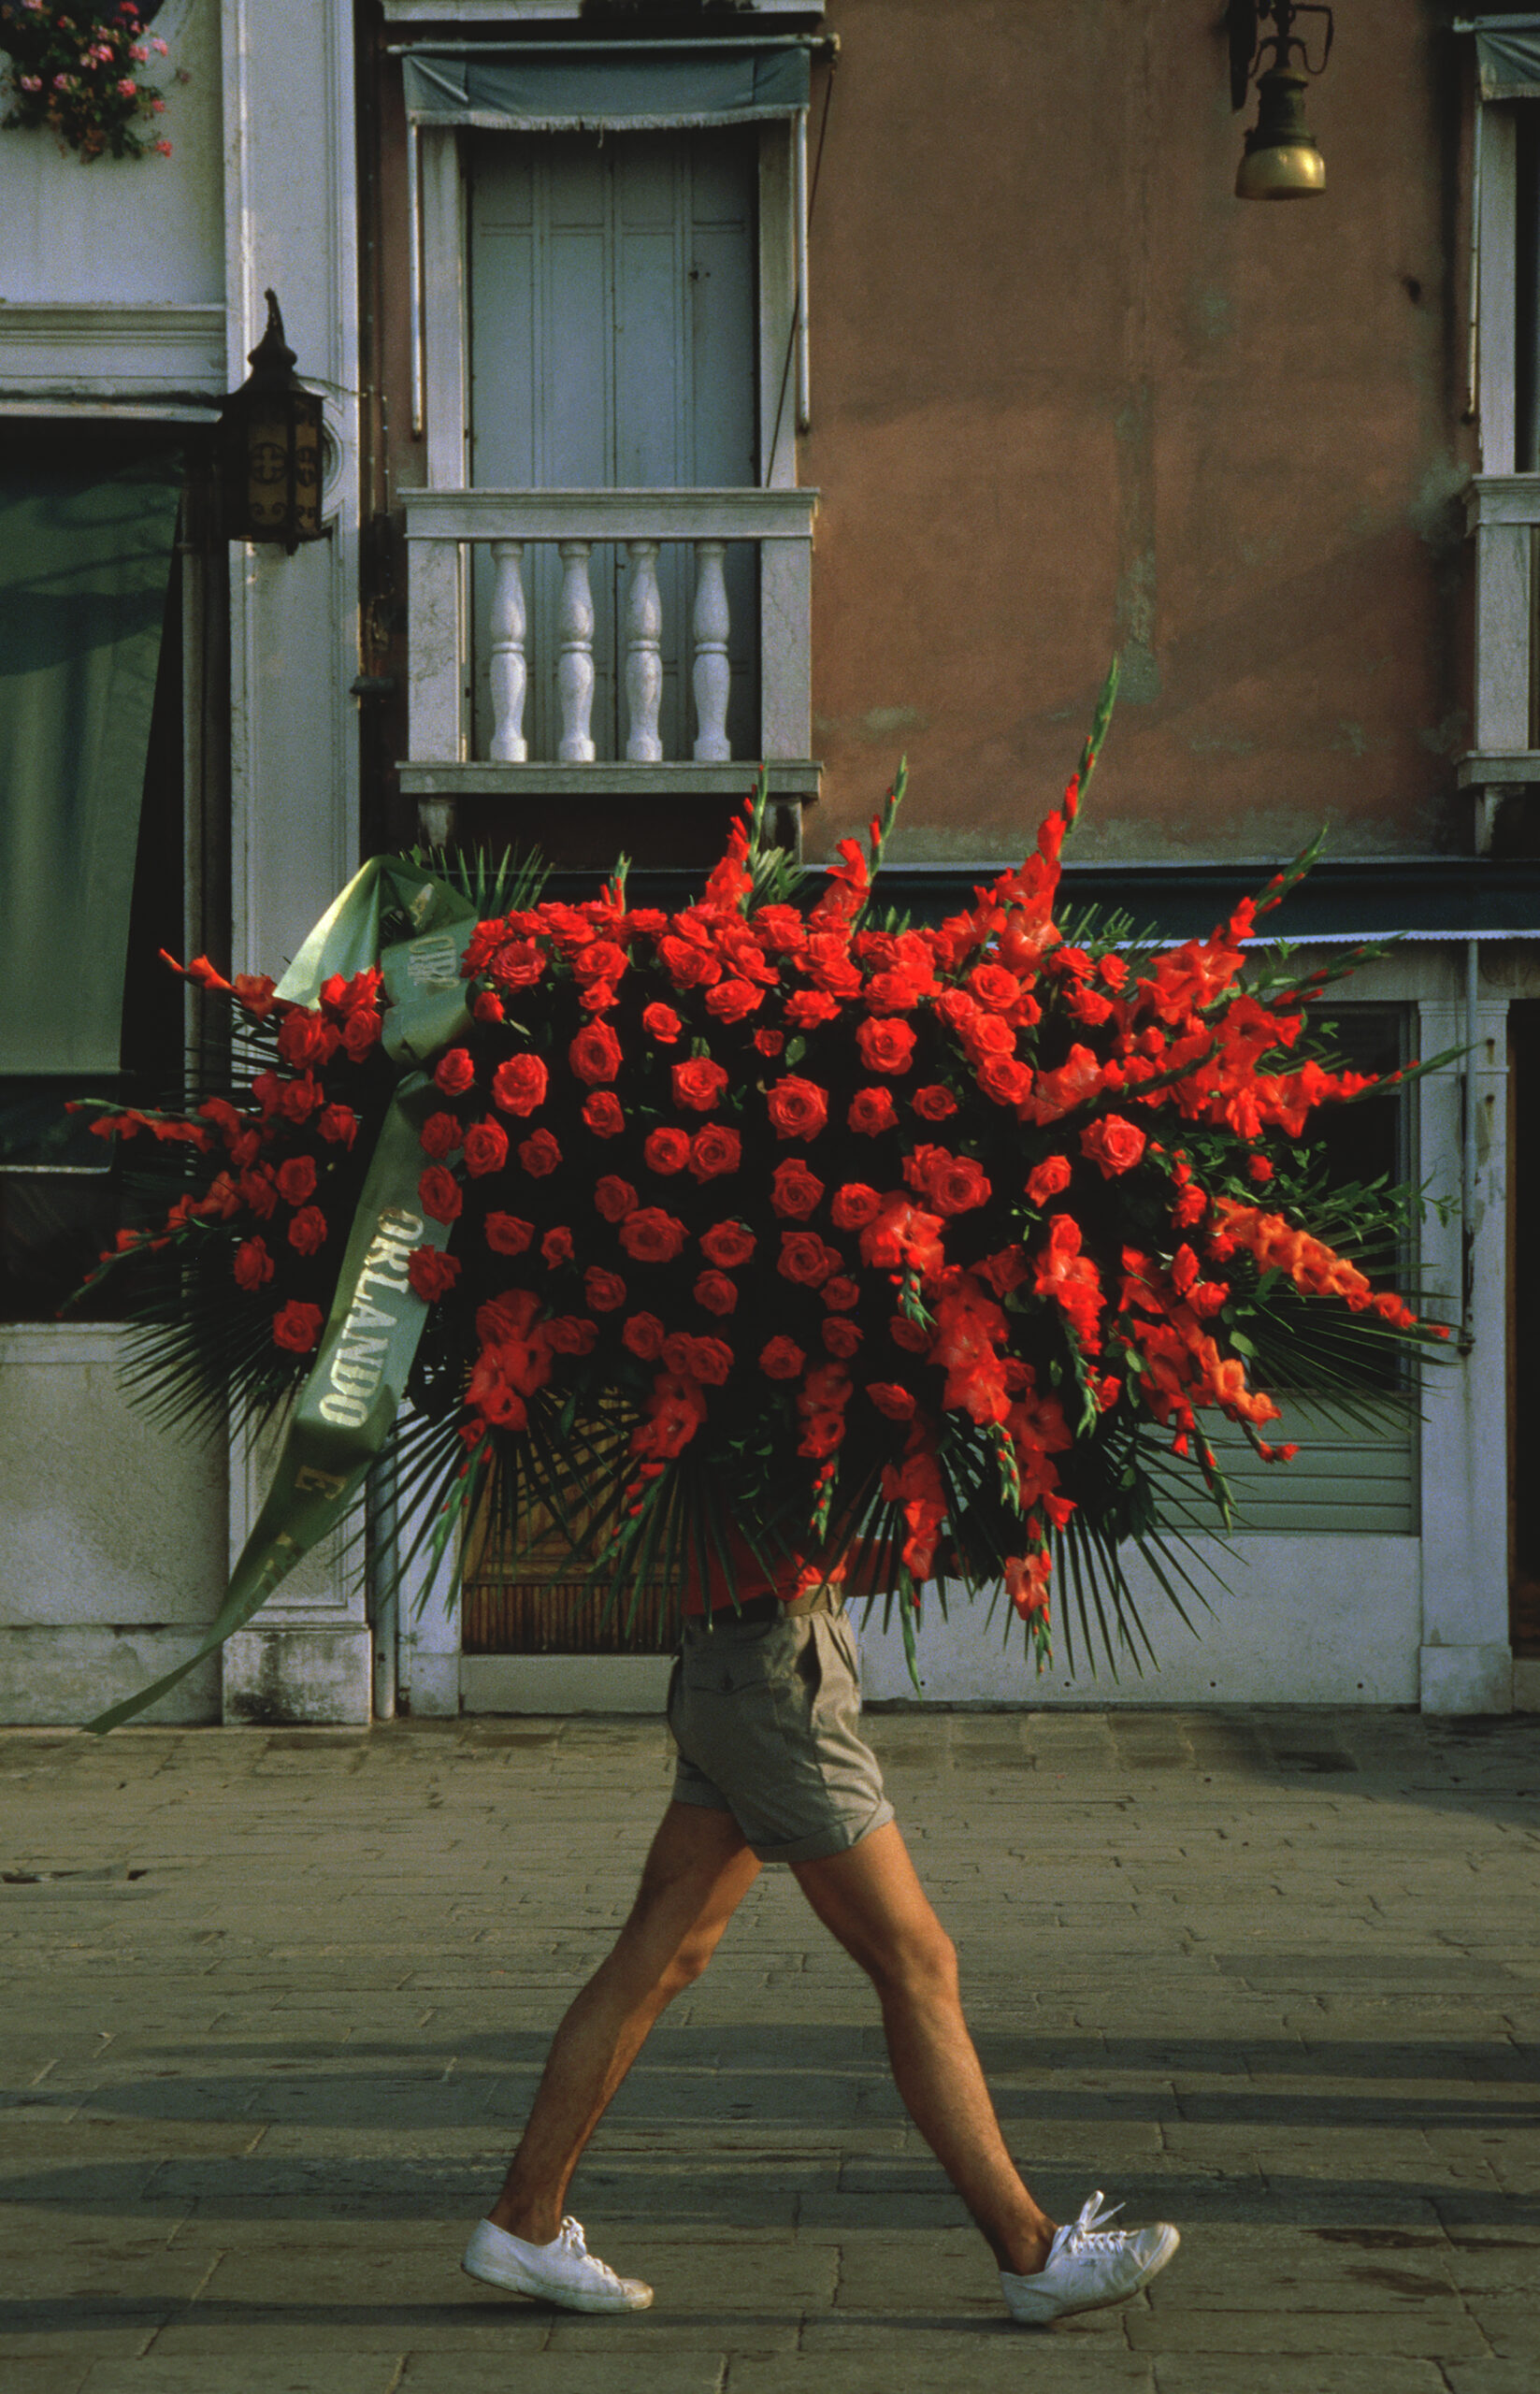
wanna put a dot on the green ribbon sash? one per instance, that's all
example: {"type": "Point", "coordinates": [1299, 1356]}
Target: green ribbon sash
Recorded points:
{"type": "Point", "coordinates": [345, 1410]}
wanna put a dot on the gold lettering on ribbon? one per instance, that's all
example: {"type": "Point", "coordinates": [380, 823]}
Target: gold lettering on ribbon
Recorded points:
{"type": "Point", "coordinates": [358, 1366]}
{"type": "Point", "coordinates": [433, 962]}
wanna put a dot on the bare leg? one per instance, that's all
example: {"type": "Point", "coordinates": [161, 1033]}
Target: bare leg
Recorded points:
{"type": "Point", "coordinates": [870, 1898]}
{"type": "Point", "coordinates": [697, 1874]}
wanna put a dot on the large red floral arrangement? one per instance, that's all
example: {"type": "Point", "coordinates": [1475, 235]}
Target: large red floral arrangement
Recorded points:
{"type": "Point", "coordinates": [765, 1238]}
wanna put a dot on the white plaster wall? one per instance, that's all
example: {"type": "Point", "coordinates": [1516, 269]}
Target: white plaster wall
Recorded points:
{"type": "Point", "coordinates": [126, 230]}
{"type": "Point", "coordinates": [111, 1536]}
{"type": "Point", "coordinates": [1302, 1621]}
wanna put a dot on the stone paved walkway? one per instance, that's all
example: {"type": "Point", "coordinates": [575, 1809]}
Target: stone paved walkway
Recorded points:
{"type": "Point", "coordinates": [273, 2004]}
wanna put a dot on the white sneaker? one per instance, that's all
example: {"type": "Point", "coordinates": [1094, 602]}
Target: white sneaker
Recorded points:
{"type": "Point", "coordinates": [1090, 2265]}
{"type": "Point", "coordinates": [563, 2272]}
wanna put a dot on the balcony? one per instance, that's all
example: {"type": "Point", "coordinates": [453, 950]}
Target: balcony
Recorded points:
{"type": "Point", "coordinates": [1503, 516]}
{"type": "Point", "coordinates": [563, 643]}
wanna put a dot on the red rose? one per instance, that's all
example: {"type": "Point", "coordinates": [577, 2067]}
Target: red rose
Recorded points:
{"type": "Point", "coordinates": [603, 1115]}
{"type": "Point", "coordinates": [517, 964]}
{"type": "Point", "coordinates": [600, 960]}
{"type": "Point", "coordinates": [258, 1192]}
{"type": "Point", "coordinates": [841, 1294]}
{"type": "Point", "coordinates": [1113, 1144]}
{"type": "Point", "coordinates": [1260, 1168]}
{"type": "Point", "coordinates": [807, 1008]}
{"type": "Point", "coordinates": [604, 1290]}
{"type": "Point", "coordinates": [519, 1085]}
{"type": "Point", "coordinates": [253, 1265]}
{"type": "Point", "coordinates": [805, 1259]}
{"type": "Point", "coordinates": [651, 1235]}
{"type": "Point", "coordinates": [360, 1031]}
{"type": "Point", "coordinates": [794, 1191]}
{"type": "Point", "coordinates": [486, 1006]}
{"type": "Point", "coordinates": [570, 1333]}
{"type": "Point", "coordinates": [855, 1205]}
{"type": "Point", "coordinates": [556, 1246]}
{"type": "Point", "coordinates": [1048, 1178]}
{"type": "Point", "coordinates": [305, 1038]}
{"type": "Point", "coordinates": [890, 1399]}
{"type": "Point", "coordinates": [797, 1108]}
{"type": "Point", "coordinates": [298, 1327]}
{"type": "Point", "coordinates": [440, 1194]}
{"type": "Point", "coordinates": [687, 965]}
{"type": "Point", "coordinates": [871, 1111]}
{"type": "Point", "coordinates": [956, 1186]}
{"type": "Point", "coordinates": [730, 1001]}
{"type": "Point", "coordinates": [782, 1359]}
{"type": "Point", "coordinates": [506, 1235]}
{"type": "Point", "coordinates": [698, 1083]}
{"type": "Point", "coordinates": [339, 1126]}
{"type": "Point", "coordinates": [711, 1360]}
{"type": "Point", "coordinates": [454, 1072]}
{"type": "Point", "coordinates": [595, 1053]}
{"type": "Point", "coordinates": [296, 1179]}
{"type": "Point", "coordinates": [431, 1275]}
{"type": "Point", "coordinates": [662, 1024]}
{"type": "Point", "coordinates": [714, 1151]}
{"type": "Point", "coordinates": [728, 1244]}
{"type": "Point", "coordinates": [769, 1042]}
{"type": "Point", "coordinates": [1003, 1081]}
{"type": "Point", "coordinates": [539, 1154]}
{"type": "Point", "coordinates": [643, 1335]}
{"type": "Point", "coordinates": [667, 1151]}
{"type": "Point", "coordinates": [716, 1293]}
{"type": "Point", "coordinates": [994, 986]}
{"type": "Point", "coordinates": [841, 1337]}
{"type": "Point", "coordinates": [822, 1433]}
{"type": "Point", "coordinates": [308, 1231]}
{"type": "Point", "coordinates": [299, 1100]}
{"type": "Point", "coordinates": [886, 1044]}
{"type": "Point", "coordinates": [614, 1198]}
{"type": "Point", "coordinates": [934, 1103]}
{"type": "Point", "coordinates": [439, 1136]}
{"type": "Point", "coordinates": [487, 1148]}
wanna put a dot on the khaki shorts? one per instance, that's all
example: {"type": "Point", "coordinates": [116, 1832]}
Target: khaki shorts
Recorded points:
{"type": "Point", "coordinates": [763, 1714]}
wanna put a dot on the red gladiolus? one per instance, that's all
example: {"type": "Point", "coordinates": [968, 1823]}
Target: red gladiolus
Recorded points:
{"type": "Point", "coordinates": [595, 1054]}
{"type": "Point", "coordinates": [934, 1103]}
{"type": "Point", "coordinates": [644, 1334]}
{"type": "Point", "coordinates": [614, 1198]}
{"type": "Point", "coordinates": [1048, 1179]}
{"type": "Point", "coordinates": [698, 1083]}
{"type": "Point", "coordinates": [253, 1265]}
{"type": "Point", "coordinates": [728, 1244]}
{"type": "Point", "coordinates": [440, 1194]}
{"type": "Point", "coordinates": [716, 1293]}
{"type": "Point", "coordinates": [432, 1275]}
{"type": "Point", "coordinates": [487, 1148]}
{"type": "Point", "coordinates": [506, 1235]}
{"type": "Point", "coordinates": [714, 1151]}
{"type": "Point", "coordinates": [782, 1359]}
{"type": "Point", "coordinates": [667, 1151]}
{"type": "Point", "coordinates": [296, 1180]}
{"type": "Point", "coordinates": [254, 991]}
{"type": "Point", "coordinates": [455, 1072]}
{"type": "Point", "coordinates": [661, 1023]}
{"type": "Point", "coordinates": [797, 1108]}
{"type": "Point", "coordinates": [871, 1111]}
{"type": "Point", "coordinates": [605, 1291]}
{"type": "Point", "coordinates": [308, 1231]}
{"type": "Point", "coordinates": [603, 1115]}
{"type": "Point", "coordinates": [795, 1191]}
{"type": "Point", "coordinates": [651, 1236]}
{"type": "Point", "coordinates": [298, 1327]}
{"type": "Point", "coordinates": [519, 1085]}
{"type": "Point", "coordinates": [440, 1135]}
{"type": "Point", "coordinates": [539, 1154]}
{"type": "Point", "coordinates": [889, 1398]}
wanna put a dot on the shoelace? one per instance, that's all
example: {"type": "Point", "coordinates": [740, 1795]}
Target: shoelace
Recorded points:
{"type": "Point", "coordinates": [1090, 2232]}
{"type": "Point", "coordinates": [571, 2236]}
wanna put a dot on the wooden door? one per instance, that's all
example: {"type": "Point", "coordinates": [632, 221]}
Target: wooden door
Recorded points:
{"type": "Point", "coordinates": [612, 344]}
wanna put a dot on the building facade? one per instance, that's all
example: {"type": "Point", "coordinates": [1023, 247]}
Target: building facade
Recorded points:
{"type": "Point", "coordinates": [711, 386]}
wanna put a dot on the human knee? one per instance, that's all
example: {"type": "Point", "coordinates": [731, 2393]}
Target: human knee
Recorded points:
{"type": "Point", "coordinates": [688, 1964]}
{"type": "Point", "coordinates": [919, 1961]}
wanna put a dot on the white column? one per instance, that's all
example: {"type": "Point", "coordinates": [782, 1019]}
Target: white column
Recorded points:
{"type": "Point", "coordinates": [643, 654]}
{"type": "Point", "coordinates": [575, 664]}
{"type": "Point", "coordinates": [713, 673]}
{"type": "Point", "coordinates": [510, 677]}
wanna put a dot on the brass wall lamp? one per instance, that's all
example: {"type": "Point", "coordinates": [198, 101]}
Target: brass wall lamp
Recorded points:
{"type": "Point", "coordinates": [270, 438]}
{"type": "Point", "coordinates": [1281, 159]}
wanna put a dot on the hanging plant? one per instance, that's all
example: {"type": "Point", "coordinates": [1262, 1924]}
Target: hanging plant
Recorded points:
{"type": "Point", "coordinates": [79, 74]}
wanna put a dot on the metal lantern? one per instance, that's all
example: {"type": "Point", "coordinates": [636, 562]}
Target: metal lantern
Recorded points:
{"type": "Point", "coordinates": [270, 442]}
{"type": "Point", "coordinates": [1281, 160]}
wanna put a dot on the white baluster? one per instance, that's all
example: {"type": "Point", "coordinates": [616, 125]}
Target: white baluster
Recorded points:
{"type": "Point", "coordinates": [575, 664]}
{"type": "Point", "coordinates": [643, 658]}
{"type": "Point", "coordinates": [712, 674]}
{"type": "Point", "coordinates": [510, 677]}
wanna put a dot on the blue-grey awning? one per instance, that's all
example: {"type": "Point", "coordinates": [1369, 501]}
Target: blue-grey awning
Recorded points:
{"type": "Point", "coordinates": [616, 89]}
{"type": "Point", "coordinates": [1507, 55]}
